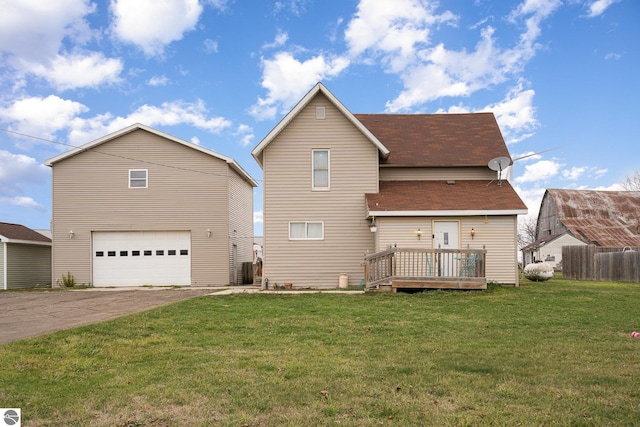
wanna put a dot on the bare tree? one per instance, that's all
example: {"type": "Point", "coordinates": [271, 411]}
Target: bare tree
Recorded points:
{"type": "Point", "coordinates": [632, 183]}
{"type": "Point", "coordinates": [527, 228]}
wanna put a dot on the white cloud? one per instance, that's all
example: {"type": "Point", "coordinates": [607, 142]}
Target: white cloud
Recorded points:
{"type": "Point", "coordinates": [151, 24]}
{"type": "Point", "coordinates": [515, 114]}
{"type": "Point", "coordinates": [532, 197]}
{"type": "Point", "coordinates": [574, 173]}
{"type": "Point", "coordinates": [436, 71]}
{"type": "Point", "coordinates": [158, 81]}
{"type": "Point", "coordinates": [294, 7]}
{"type": "Point", "coordinates": [33, 30]}
{"type": "Point", "coordinates": [210, 46]}
{"type": "Point", "coordinates": [612, 56]}
{"type": "Point", "coordinates": [75, 71]}
{"type": "Point", "coordinates": [287, 79]}
{"type": "Point", "coordinates": [279, 41]}
{"type": "Point", "coordinates": [167, 114]}
{"type": "Point", "coordinates": [539, 171]}
{"type": "Point", "coordinates": [393, 30]}
{"type": "Point", "coordinates": [45, 117]}
{"type": "Point", "coordinates": [577, 172]}
{"type": "Point", "coordinates": [32, 34]}
{"type": "Point", "coordinates": [23, 202]}
{"type": "Point", "coordinates": [19, 168]}
{"type": "Point", "coordinates": [258, 217]}
{"type": "Point", "coordinates": [15, 171]}
{"type": "Point", "coordinates": [41, 117]}
{"type": "Point", "coordinates": [598, 7]}
{"type": "Point", "coordinates": [245, 133]}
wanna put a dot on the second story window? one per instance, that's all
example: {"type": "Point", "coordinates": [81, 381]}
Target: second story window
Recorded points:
{"type": "Point", "coordinates": [320, 160]}
{"type": "Point", "coordinates": [137, 178]}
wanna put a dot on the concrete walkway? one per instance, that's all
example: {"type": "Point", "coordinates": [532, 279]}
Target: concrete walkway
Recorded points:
{"type": "Point", "coordinates": [26, 314]}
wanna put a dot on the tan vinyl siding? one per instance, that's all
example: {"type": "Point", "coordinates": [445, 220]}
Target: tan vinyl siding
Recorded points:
{"type": "Point", "coordinates": [28, 266]}
{"type": "Point", "coordinates": [288, 196]}
{"type": "Point", "coordinates": [496, 234]}
{"type": "Point", "coordinates": [430, 174]}
{"type": "Point", "coordinates": [499, 235]}
{"type": "Point", "coordinates": [91, 193]}
{"type": "Point", "coordinates": [240, 224]}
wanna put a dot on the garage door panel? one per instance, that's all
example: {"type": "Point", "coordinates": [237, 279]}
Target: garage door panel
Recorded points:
{"type": "Point", "coordinates": [137, 258]}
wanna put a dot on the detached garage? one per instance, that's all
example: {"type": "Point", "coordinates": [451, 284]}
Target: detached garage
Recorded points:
{"type": "Point", "coordinates": [140, 207]}
{"type": "Point", "coordinates": [25, 257]}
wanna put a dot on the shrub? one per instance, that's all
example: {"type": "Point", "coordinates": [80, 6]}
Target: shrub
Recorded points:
{"type": "Point", "coordinates": [68, 281]}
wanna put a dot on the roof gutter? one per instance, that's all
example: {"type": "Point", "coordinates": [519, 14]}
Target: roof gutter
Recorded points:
{"type": "Point", "coordinates": [448, 213]}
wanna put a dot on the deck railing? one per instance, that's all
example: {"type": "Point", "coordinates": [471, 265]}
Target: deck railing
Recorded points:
{"type": "Point", "coordinates": [425, 266]}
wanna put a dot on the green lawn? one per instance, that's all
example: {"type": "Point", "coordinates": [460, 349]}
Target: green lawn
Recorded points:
{"type": "Point", "coordinates": [554, 353]}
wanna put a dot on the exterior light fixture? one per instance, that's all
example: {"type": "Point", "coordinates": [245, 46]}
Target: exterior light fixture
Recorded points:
{"type": "Point", "coordinates": [419, 233]}
{"type": "Point", "coordinates": [373, 227]}
{"type": "Point", "coordinates": [208, 232]}
{"type": "Point", "coordinates": [472, 232]}
{"type": "Point", "coordinates": [71, 234]}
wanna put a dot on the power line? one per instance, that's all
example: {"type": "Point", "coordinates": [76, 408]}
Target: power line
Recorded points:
{"type": "Point", "coordinates": [113, 155]}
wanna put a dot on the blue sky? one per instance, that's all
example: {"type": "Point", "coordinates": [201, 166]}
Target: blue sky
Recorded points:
{"type": "Point", "coordinates": [559, 76]}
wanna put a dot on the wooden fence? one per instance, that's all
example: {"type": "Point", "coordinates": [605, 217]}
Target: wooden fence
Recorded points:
{"type": "Point", "coordinates": [590, 262]}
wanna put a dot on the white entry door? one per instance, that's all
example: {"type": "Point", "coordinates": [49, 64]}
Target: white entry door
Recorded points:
{"type": "Point", "coordinates": [137, 258]}
{"type": "Point", "coordinates": [446, 235]}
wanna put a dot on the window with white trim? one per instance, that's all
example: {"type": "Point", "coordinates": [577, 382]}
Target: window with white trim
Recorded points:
{"type": "Point", "coordinates": [137, 178]}
{"type": "Point", "coordinates": [320, 160]}
{"type": "Point", "coordinates": [306, 230]}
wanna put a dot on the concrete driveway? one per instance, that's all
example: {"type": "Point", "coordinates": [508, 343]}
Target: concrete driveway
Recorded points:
{"type": "Point", "coordinates": [27, 314]}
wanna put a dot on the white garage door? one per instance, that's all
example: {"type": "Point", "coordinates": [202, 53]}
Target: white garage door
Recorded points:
{"type": "Point", "coordinates": [137, 258]}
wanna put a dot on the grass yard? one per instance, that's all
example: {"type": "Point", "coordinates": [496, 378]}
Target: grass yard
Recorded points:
{"type": "Point", "coordinates": [554, 353]}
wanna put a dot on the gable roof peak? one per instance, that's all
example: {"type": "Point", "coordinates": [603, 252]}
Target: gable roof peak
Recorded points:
{"type": "Point", "coordinates": [315, 90]}
{"type": "Point", "coordinates": [139, 126]}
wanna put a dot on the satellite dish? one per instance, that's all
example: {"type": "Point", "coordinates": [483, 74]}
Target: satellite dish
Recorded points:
{"type": "Point", "coordinates": [499, 164]}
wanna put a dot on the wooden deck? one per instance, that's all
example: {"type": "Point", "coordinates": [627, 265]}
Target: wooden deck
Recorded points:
{"type": "Point", "coordinates": [400, 268]}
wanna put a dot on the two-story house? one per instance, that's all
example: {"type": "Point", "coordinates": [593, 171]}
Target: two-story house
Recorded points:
{"type": "Point", "coordinates": [142, 207]}
{"type": "Point", "coordinates": [339, 185]}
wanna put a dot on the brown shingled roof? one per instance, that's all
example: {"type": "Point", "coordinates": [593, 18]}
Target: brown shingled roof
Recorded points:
{"type": "Point", "coordinates": [604, 218]}
{"type": "Point", "coordinates": [437, 139]}
{"type": "Point", "coordinates": [20, 232]}
{"type": "Point", "coordinates": [444, 196]}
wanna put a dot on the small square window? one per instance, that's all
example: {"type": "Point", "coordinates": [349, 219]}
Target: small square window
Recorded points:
{"type": "Point", "coordinates": [124, 253]}
{"type": "Point", "coordinates": [111, 253]}
{"type": "Point", "coordinates": [184, 252]}
{"type": "Point", "coordinates": [135, 253]}
{"type": "Point", "coordinates": [100, 253]}
{"type": "Point", "coordinates": [137, 178]}
{"type": "Point", "coordinates": [147, 253]}
{"type": "Point", "coordinates": [171, 252]}
{"type": "Point", "coordinates": [160, 252]}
